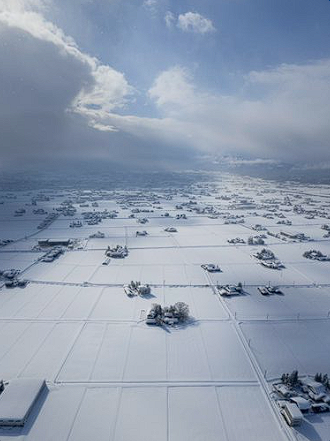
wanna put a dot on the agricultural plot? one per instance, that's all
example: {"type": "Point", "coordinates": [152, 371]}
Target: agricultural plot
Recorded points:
{"type": "Point", "coordinates": [315, 272]}
{"type": "Point", "coordinates": [18, 229]}
{"type": "Point", "coordinates": [221, 255]}
{"type": "Point", "coordinates": [302, 302]}
{"type": "Point", "coordinates": [18, 260]}
{"type": "Point", "coordinates": [56, 272]}
{"type": "Point", "coordinates": [155, 239]}
{"type": "Point", "coordinates": [112, 352]}
{"type": "Point", "coordinates": [303, 345]}
{"type": "Point", "coordinates": [119, 413]}
{"type": "Point", "coordinates": [255, 274]}
{"type": "Point", "coordinates": [35, 349]}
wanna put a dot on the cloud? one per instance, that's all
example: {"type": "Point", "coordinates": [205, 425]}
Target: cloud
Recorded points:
{"type": "Point", "coordinates": [232, 161]}
{"type": "Point", "coordinates": [169, 19]}
{"type": "Point", "coordinates": [287, 121]}
{"type": "Point", "coordinates": [57, 100]}
{"type": "Point", "coordinates": [173, 86]}
{"type": "Point", "coordinates": [311, 167]}
{"type": "Point", "coordinates": [39, 83]}
{"type": "Point", "coordinates": [280, 114]}
{"type": "Point", "coordinates": [108, 92]}
{"type": "Point", "coordinates": [107, 89]}
{"type": "Point", "coordinates": [23, 5]}
{"type": "Point", "coordinates": [194, 22]}
{"type": "Point", "coordinates": [151, 6]}
{"type": "Point", "coordinates": [58, 103]}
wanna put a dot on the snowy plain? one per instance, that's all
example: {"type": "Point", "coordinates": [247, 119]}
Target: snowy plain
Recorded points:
{"type": "Point", "coordinates": [110, 376]}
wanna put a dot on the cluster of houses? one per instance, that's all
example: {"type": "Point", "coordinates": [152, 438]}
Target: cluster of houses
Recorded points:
{"type": "Point", "coordinates": [316, 255]}
{"type": "Point", "coordinates": [9, 274]}
{"type": "Point", "coordinates": [269, 289]}
{"type": "Point", "coordinates": [284, 222]}
{"type": "Point", "coordinates": [137, 289]}
{"type": "Point", "coordinates": [47, 221]}
{"type": "Point", "coordinates": [52, 254]}
{"type": "Point", "coordinates": [234, 220]}
{"type": "Point", "coordinates": [264, 254]}
{"type": "Point", "coordinates": [230, 290]}
{"type": "Point", "coordinates": [171, 230]}
{"type": "Point", "coordinates": [96, 217]}
{"type": "Point", "coordinates": [76, 224]}
{"type": "Point", "coordinates": [11, 280]}
{"type": "Point", "coordinates": [294, 236]}
{"type": "Point", "coordinates": [297, 396]}
{"type": "Point", "coordinates": [267, 258]}
{"type": "Point", "coordinates": [236, 240]}
{"type": "Point", "coordinates": [19, 212]}
{"type": "Point", "coordinates": [141, 210]}
{"type": "Point", "coordinates": [257, 240]}
{"type": "Point", "coordinates": [97, 235]}
{"type": "Point", "coordinates": [326, 227]}
{"type": "Point", "coordinates": [167, 315]}
{"type": "Point", "coordinates": [258, 227]}
{"type": "Point", "coordinates": [211, 267]}
{"type": "Point", "coordinates": [4, 242]}
{"type": "Point", "coordinates": [66, 208]}
{"type": "Point", "coordinates": [39, 211]}
{"type": "Point", "coordinates": [117, 252]}
{"type": "Point", "coordinates": [49, 243]}
{"type": "Point", "coordinates": [13, 283]}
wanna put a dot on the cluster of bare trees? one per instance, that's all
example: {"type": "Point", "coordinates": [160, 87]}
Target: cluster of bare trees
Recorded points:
{"type": "Point", "coordinates": [290, 380]}
{"type": "Point", "coordinates": [322, 378]}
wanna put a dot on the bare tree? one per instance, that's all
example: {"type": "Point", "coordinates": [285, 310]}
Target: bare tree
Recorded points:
{"type": "Point", "coordinates": [181, 311]}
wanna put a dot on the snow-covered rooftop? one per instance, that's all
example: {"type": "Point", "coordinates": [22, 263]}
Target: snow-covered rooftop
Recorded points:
{"type": "Point", "coordinates": [17, 400]}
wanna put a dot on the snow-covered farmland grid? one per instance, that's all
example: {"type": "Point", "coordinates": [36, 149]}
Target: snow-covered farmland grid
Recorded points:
{"type": "Point", "coordinates": [109, 375]}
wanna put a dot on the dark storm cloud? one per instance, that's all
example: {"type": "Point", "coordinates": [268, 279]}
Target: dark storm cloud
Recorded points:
{"type": "Point", "coordinates": [39, 82]}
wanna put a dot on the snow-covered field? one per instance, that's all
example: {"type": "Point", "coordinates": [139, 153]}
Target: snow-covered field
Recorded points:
{"type": "Point", "coordinates": [152, 412]}
{"type": "Point", "coordinates": [297, 344]}
{"type": "Point", "coordinates": [111, 377]}
{"type": "Point", "coordinates": [296, 303]}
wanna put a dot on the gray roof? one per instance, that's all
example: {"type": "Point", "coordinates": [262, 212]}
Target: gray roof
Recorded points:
{"type": "Point", "coordinates": [17, 400]}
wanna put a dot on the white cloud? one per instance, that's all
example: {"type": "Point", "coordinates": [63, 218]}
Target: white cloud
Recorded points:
{"type": "Point", "coordinates": [150, 3]}
{"type": "Point", "coordinates": [173, 87]}
{"type": "Point", "coordinates": [102, 127]}
{"type": "Point", "coordinates": [232, 161]}
{"type": "Point", "coordinates": [288, 121]}
{"type": "Point", "coordinates": [151, 6]}
{"type": "Point", "coordinates": [108, 92]}
{"type": "Point", "coordinates": [169, 19]}
{"type": "Point", "coordinates": [311, 167]}
{"type": "Point", "coordinates": [194, 22]}
{"type": "Point", "coordinates": [23, 5]}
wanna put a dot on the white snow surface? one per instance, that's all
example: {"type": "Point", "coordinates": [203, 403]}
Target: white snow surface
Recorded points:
{"type": "Point", "coordinates": [111, 377]}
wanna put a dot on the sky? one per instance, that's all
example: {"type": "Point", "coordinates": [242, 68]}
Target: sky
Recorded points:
{"type": "Point", "coordinates": [163, 83]}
